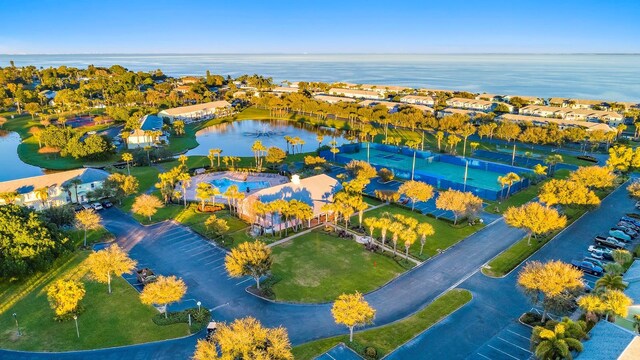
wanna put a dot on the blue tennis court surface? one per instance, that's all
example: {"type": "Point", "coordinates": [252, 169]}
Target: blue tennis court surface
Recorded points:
{"type": "Point", "coordinates": [339, 352]}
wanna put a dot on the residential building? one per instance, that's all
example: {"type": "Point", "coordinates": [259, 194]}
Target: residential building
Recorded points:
{"type": "Point", "coordinates": [532, 100]}
{"type": "Point", "coordinates": [316, 191]}
{"type": "Point", "coordinates": [450, 111]}
{"type": "Point", "coordinates": [584, 104]}
{"type": "Point", "coordinates": [423, 108]}
{"type": "Point", "coordinates": [392, 106]}
{"type": "Point", "coordinates": [609, 117]}
{"type": "Point", "coordinates": [186, 80]}
{"type": "Point", "coordinates": [284, 90]}
{"type": "Point", "coordinates": [59, 188]}
{"type": "Point", "coordinates": [197, 112]}
{"type": "Point", "coordinates": [333, 99]}
{"type": "Point", "coordinates": [384, 89]}
{"type": "Point", "coordinates": [488, 97]}
{"type": "Point", "coordinates": [149, 133]}
{"type": "Point", "coordinates": [418, 100]}
{"type": "Point", "coordinates": [562, 123]}
{"type": "Point", "coordinates": [183, 89]}
{"type": "Point", "coordinates": [473, 104]}
{"type": "Point", "coordinates": [356, 94]}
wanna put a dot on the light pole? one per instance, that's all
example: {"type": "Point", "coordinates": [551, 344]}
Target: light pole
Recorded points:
{"type": "Point", "coordinates": [466, 170]}
{"type": "Point", "coordinates": [15, 317]}
{"type": "Point", "coordinates": [75, 318]}
{"type": "Point", "coordinates": [198, 303]}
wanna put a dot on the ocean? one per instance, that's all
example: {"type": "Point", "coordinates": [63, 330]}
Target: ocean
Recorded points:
{"type": "Point", "coordinates": [592, 76]}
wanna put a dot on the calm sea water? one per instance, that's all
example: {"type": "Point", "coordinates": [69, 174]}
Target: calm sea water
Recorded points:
{"type": "Point", "coordinates": [607, 77]}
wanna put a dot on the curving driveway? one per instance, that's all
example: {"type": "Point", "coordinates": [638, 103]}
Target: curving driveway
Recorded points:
{"type": "Point", "coordinates": [172, 249]}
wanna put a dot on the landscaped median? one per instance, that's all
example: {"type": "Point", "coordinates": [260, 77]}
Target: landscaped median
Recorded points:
{"type": "Point", "coordinates": [387, 338]}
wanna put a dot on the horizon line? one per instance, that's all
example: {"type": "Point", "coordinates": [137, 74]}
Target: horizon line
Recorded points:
{"type": "Point", "coordinates": [324, 53]}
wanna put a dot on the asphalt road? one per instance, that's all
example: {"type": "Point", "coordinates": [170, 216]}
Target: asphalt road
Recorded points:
{"type": "Point", "coordinates": [172, 249]}
{"type": "Point", "coordinates": [497, 303]}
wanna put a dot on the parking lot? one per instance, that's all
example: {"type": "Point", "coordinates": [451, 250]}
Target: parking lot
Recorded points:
{"type": "Point", "coordinates": [511, 343]}
{"type": "Point", "coordinates": [339, 352]}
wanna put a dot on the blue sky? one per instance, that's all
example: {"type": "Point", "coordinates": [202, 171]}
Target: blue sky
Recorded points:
{"type": "Point", "coordinates": [328, 26]}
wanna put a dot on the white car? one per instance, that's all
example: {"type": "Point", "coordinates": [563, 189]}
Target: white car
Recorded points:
{"type": "Point", "coordinates": [96, 206]}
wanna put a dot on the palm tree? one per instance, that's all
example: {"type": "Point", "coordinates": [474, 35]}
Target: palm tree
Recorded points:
{"type": "Point", "coordinates": [610, 282]}
{"type": "Point", "coordinates": [203, 192]}
{"type": "Point", "coordinates": [185, 181]}
{"type": "Point", "coordinates": [384, 223]}
{"type": "Point", "coordinates": [76, 182]}
{"type": "Point", "coordinates": [510, 178]}
{"type": "Point", "coordinates": [319, 138]}
{"type": "Point", "coordinates": [396, 228]}
{"type": "Point", "coordinates": [552, 160]}
{"type": "Point", "coordinates": [9, 197]}
{"type": "Point", "coordinates": [424, 230]}
{"type": "Point", "coordinates": [42, 194]}
{"type": "Point", "coordinates": [556, 344]}
{"type": "Point", "coordinates": [128, 158]}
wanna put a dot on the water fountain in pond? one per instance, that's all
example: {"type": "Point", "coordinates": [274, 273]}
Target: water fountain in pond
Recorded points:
{"type": "Point", "coordinates": [263, 131]}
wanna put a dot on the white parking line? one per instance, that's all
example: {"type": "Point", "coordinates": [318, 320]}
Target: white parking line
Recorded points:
{"type": "Point", "coordinates": [512, 344]}
{"type": "Point", "coordinates": [498, 350]}
{"type": "Point", "coordinates": [207, 250]}
{"type": "Point", "coordinates": [516, 334]}
{"type": "Point", "coordinates": [486, 357]}
{"type": "Point", "coordinates": [219, 266]}
{"type": "Point", "coordinates": [213, 261]}
{"type": "Point", "coordinates": [182, 238]}
{"type": "Point", "coordinates": [244, 281]}
{"type": "Point", "coordinates": [199, 247]}
{"type": "Point", "coordinates": [186, 245]}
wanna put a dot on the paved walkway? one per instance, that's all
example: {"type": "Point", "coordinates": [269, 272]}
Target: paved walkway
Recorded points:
{"type": "Point", "coordinates": [497, 303]}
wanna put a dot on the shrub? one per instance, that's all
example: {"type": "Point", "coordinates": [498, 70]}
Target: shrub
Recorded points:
{"type": "Point", "coordinates": [210, 208]}
{"type": "Point", "coordinates": [199, 319]}
{"type": "Point", "coordinates": [531, 319]}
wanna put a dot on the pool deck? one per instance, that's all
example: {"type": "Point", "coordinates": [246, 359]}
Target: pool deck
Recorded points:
{"type": "Point", "coordinates": [272, 179]}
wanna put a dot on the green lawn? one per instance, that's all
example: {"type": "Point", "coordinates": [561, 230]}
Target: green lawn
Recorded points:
{"type": "Point", "coordinates": [147, 176]}
{"type": "Point", "coordinates": [389, 337]}
{"type": "Point", "coordinates": [446, 234]}
{"type": "Point", "coordinates": [317, 267]}
{"type": "Point", "coordinates": [108, 320]}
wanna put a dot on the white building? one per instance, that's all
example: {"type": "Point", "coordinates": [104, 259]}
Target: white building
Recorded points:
{"type": "Point", "coordinates": [356, 94]}
{"type": "Point", "coordinates": [316, 191]}
{"type": "Point", "coordinates": [390, 105]}
{"type": "Point", "coordinates": [59, 187]}
{"type": "Point", "coordinates": [197, 112]}
{"type": "Point", "coordinates": [609, 117]}
{"type": "Point", "coordinates": [149, 133]}
{"type": "Point", "coordinates": [562, 123]}
{"type": "Point", "coordinates": [418, 100]}
{"type": "Point", "coordinates": [284, 90]}
{"type": "Point", "coordinates": [333, 99]}
{"type": "Point", "coordinates": [450, 111]}
{"type": "Point", "coordinates": [472, 104]}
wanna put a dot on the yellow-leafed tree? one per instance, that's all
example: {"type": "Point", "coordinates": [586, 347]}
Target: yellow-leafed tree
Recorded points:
{"type": "Point", "coordinates": [592, 305]}
{"type": "Point", "coordinates": [566, 192]}
{"type": "Point", "coordinates": [249, 259]}
{"type": "Point", "coordinates": [550, 279]}
{"type": "Point", "coordinates": [634, 189]}
{"type": "Point", "coordinates": [245, 339]}
{"type": "Point", "coordinates": [616, 303]}
{"type": "Point", "coordinates": [87, 220]}
{"type": "Point", "coordinates": [65, 296]}
{"type": "Point", "coordinates": [352, 310]}
{"type": "Point", "coordinates": [535, 219]}
{"type": "Point", "coordinates": [424, 230]}
{"type": "Point", "coordinates": [110, 261]}
{"type": "Point", "coordinates": [164, 291]}
{"type": "Point", "coordinates": [416, 191]}
{"type": "Point", "coordinates": [593, 177]}
{"type": "Point", "coordinates": [146, 205]}
{"type": "Point", "coordinates": [460, 203]}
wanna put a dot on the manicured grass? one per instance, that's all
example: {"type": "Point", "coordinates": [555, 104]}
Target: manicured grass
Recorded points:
{"type": "Point", "coordinates": [147, 177]}
{"type": "Point", "coordinates": [446, 234]}
{"type": "Point", "coordinates": [108, 320]}
{"type": "Point", "coordinates": [317, 267]}
{"type": "Point", "coordinates": [389, 337]}
{"type": "Point", "coordinates": [93, 236]}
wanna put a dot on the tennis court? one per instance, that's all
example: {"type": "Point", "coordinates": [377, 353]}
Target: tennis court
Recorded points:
{"type": "Point", "coordinates": [439, 170]}
{"type": "Point", "coordinates": [485, 179]}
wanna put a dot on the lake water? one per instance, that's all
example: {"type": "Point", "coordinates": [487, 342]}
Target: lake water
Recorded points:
{"type": "Point", "coordinates": [235, 139]}
{"type": "Point", "coordinates": [11, 167]}
{"type": "Point", "coordinates": [596, 76]}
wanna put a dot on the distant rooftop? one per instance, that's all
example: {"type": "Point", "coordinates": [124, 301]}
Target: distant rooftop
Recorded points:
{"type": "Point", "coordinates": [609, 342]}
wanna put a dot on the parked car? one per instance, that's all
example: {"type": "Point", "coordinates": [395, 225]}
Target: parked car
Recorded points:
{"type": "Point", "coordinates": [628, 225]}
{"type": "Point", "coordinates": [638, 205]}
{"type": "Point", "coordinates": [86, 206]}
{"type": "Point", "coordinates": [594, 262]}
{"type": "Point", "coordinates": [609, 242]}
{"type": "Point", "coordinates": [626, 230]}
{"type": "Point", "coordinates": [588, 267]}
{"type": "Point", "coordinates": [632, 220]}
{"type": "Point", "coordinates": [604, 252]}
{"type": "Point", "coordinates": [96, 206]}
{"type": "Point", "coordinates": [78, 207]}
{"type": "Point", "coordinates": [107, 204]}
{"type": "Point", "coordinates": [619, 234]}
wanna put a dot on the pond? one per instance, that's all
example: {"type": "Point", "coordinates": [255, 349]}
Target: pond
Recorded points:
{"type": "Point", "coordinates": [11, 167]}
{"type": "Point", "coordinates": [236, 138]}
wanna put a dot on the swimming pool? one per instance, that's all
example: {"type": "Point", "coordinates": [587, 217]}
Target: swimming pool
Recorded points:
{"type": "Point", "coordinates": [243, 186]}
